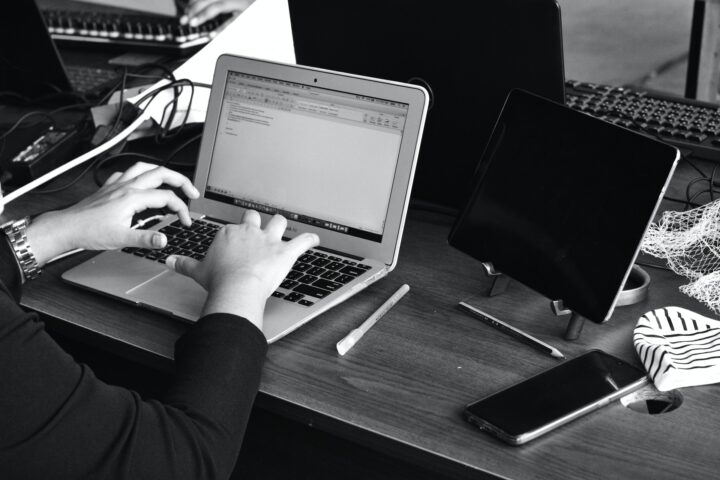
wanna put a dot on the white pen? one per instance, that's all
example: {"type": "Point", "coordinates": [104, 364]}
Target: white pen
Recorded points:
{"type": "Point", "coordinates": [352, 338]}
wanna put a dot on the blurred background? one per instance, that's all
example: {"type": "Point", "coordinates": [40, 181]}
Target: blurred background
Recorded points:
{"type": "Point", "coordinates": [617, 42]}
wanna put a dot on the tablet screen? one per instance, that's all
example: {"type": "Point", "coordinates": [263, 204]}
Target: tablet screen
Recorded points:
{"type": "Point", "coordinates": [561, 202]}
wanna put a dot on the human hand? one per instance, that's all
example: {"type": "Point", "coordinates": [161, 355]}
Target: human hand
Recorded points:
{"type": "Point", "coordinates": [244, 265]}
{"type": "Point", "coordinates": [198, 12]}
{"type": "Point", "coordinates": [102, 221]}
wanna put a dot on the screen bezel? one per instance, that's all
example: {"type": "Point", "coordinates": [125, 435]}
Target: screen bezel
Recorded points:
{"type": "Point", "coordinates": [415, 97]}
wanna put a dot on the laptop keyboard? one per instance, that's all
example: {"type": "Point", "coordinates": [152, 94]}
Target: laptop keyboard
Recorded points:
{"type": "Point", "coordinates": [314, 276]}
{"type": "Point", "coordinates": [90, 79]}
{"type": "Point", "coordinates": [150, 32]}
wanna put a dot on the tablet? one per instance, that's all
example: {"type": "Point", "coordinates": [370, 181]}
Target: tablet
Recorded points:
{"type": "Point", "coordinates": [561, 201]}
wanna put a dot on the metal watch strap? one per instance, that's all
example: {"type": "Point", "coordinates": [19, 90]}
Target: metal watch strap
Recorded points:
{"type": "Point", "coordinates": [16, 233]}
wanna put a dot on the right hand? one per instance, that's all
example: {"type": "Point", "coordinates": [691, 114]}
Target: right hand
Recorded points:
{"type": "Point", "coordinates": [244, 265]}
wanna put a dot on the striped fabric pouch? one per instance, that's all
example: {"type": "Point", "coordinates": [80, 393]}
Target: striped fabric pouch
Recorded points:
{"type": "Point", "coordinates": [678, 347]}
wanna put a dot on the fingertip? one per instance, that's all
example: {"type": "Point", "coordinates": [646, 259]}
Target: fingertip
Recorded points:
{"type": "Point", "coordinates": [170, 262]}
{"type": "Point", "coordinates": [185, 218]}
{"type": "Point", "coordinates": [159, 240]}
{"type": "Point", "coordinates": [194, 22]}
{"type": "Point", "coordinates": [183, 20]}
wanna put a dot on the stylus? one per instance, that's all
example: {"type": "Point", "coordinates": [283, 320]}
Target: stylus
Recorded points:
{"type": "Point", "coordinates": [510, 330]}
{"type": "Point", "coordinates": [352, 338]}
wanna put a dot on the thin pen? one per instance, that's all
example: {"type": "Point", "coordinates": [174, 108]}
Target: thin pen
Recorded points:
{"type": "Point", "coordinates": [353, 337]}
{"type": "Point", "coordinates": [510, 330]}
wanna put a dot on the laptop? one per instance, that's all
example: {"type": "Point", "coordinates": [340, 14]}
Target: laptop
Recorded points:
{"type": "Point", "coordinates": [468, 54]}
{"type": "Point", "coordinates": [30, 64]}
{"type": "Point", "coordinates": [334, 153]}
{"type": "Point", "coordinates": [562, 201]}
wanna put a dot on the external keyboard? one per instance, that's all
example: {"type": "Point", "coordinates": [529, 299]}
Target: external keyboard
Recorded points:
{"type": "Point", "coordinates": [130, 30]}
{"type": "Point", "coordinates": [690, 125]}
{"type": "Point", "coordinates": [314, 276]}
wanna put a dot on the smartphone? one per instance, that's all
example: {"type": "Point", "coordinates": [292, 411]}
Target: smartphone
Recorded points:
{"type": "Point", "coordinates": [563, 393]}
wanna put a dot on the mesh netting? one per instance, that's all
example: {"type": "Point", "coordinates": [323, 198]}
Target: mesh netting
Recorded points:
{"type": "Point", "coordinates": [690, 242]}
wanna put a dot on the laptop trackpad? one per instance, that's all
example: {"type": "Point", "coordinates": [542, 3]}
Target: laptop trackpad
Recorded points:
{"type": "Point", "coordinates": [172, 293]}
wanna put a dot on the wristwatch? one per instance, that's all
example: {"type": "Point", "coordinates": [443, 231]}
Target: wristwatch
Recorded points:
{"type": "Point", "coordinates": [16, 233]}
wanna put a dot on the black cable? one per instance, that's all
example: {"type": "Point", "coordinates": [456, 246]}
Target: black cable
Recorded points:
{"type": "Point", "coordinates": [659, 70]}
{"type": "Point", "coordinates": [43, 99]}
{"type": "Point", "coordinates": [677, 200]}
{"type": "Point", "coordinates": [23, 118]}
{"type": "Point", "coordinates": [687, 160]}
{"type": "Point", "coordinates": [67, 185]}
{"type": "Point", "coordinates": [101, 162]}
{"type": "Point", "coordinates": [165, 132]}
{"type": "Point", "coordinates": [118, 117]}
{"type": "Point", "coordinates": [701, 192]}
{"type": "Point", "coordinates": [173, 154]}
{"type": "Point", "coordinates": [17, 124]}
{"type": "Point", "coordinates": [709, 190]}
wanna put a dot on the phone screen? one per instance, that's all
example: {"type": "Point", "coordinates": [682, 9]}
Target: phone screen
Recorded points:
{"type": "Point", "coordinates": [560, 393]}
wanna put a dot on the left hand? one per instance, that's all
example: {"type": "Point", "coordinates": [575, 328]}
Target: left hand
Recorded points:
{"type": "Point", "coordinates": [198, 12]}
{"type": "Point", "coordinates": [102, 221]}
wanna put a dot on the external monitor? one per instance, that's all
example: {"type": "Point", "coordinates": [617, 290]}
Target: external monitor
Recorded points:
{"type": "Point", "coordinates": [468, 54]}
{"type": "Point", "coordinates": [562, 200]}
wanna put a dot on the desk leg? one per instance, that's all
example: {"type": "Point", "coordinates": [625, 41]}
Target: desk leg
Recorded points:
{"type": "Point", "coordinates": [703, 74]}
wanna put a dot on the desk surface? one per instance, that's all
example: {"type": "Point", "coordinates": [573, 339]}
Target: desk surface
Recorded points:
{"type": "Point", "coordinates": [402, 388]}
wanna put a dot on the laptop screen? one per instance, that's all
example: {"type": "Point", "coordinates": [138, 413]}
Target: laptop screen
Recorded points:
{"type": "Point", "coordinates": [317, 156]}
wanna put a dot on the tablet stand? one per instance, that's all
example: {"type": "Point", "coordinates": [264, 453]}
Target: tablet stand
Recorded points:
{"type": "Point", "coordinates": [500, 282]}
{"type": "Point", "coordinates": [575, 324]}
{"type": "Point", "coordinates": [634, 290]}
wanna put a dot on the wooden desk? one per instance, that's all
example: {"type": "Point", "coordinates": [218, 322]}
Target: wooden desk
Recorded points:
{"type": "Point", "coordinates": [402, 388]}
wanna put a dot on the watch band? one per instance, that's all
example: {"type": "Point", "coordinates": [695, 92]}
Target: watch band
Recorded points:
{"type": "Point", "coordinates": [16, 233]}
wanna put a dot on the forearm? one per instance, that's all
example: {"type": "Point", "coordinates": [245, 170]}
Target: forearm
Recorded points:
{"type": "Point", "coordinates": [103, 431]}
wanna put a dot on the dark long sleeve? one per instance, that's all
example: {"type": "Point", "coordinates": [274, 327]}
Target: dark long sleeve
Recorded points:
{"type": "Point", "coordinates": [57, 420]}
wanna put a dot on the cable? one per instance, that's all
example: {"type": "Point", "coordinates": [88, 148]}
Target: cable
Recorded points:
{"type": "Point", "coordinates": [23, 118]}
{"type": "Point", "coordinates": [77, 161]}
{"type": "Point", "coordinates": [164, 134]}
{"type": "Point", "coordinates": [660, 69]}
{"type": "Point", "coordinates": [140, 117]}
{"type": "Point", "coordinates": [101, 162]}
{"type": "Point", "coordinates": [687, 160]}
{"type": "Point", "coordinates": [17, 124]}
{"type": "Point", "coordinates": [169, 162]}
{"type": "Point", "coordinates": [677, 200]}
{"type": "Point", "coordinates": [67, 185]}
{"type": "Point", "coordinates": [118, 117]}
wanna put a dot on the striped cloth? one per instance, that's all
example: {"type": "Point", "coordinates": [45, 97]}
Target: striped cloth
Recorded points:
{"type": "Point", "coordinates": [678, 347]}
